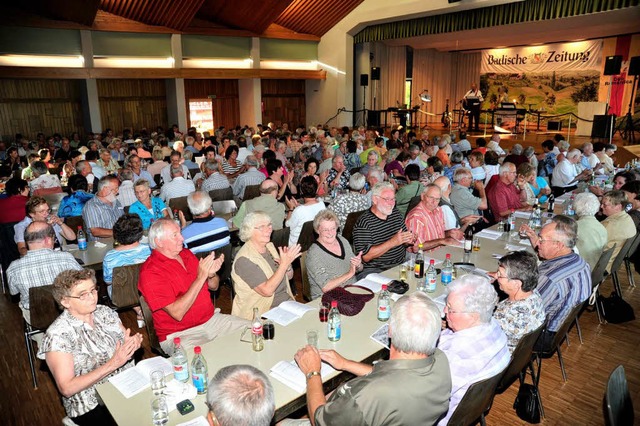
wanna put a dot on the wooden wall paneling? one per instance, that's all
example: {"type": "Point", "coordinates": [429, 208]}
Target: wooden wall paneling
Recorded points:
{"type": "Point", "coordinates": [132, 103]}
{"type": "Point", "coordinates": [30, 106]}
{"type": "Point", "coordinates": [226, 105]}
{"type": "Point", "coordinates": [284, 102]}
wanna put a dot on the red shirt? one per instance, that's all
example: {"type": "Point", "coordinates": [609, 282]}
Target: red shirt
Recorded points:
{"type": "Point", "coordinates": [503, 197]}
{"type": "Point", "coordinates": [12, 209]}
{"type": "Point", "coordinates": [162, 281]}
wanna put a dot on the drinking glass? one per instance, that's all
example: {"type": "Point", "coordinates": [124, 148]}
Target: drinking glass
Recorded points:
{"type": "Point", "coordinates": [324, 311]}
{"type": "Point", "coordinates": [157, 382]}
{"type": "Point", "coordinates": [476, 244]}
{"type": "Point", "coordinates": [268, 330]}
{"type": "Point", "coordinates": [159, 411]}
{"type": "Point", "coordinates": [312, 338]}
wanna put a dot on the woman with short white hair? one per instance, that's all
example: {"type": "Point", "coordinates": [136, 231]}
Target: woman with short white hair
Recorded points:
{"type": "Point", "coordinates": [592, 236]}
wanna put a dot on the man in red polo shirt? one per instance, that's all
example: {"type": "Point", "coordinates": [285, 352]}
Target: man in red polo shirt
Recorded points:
{"type": "Point", "coordinates": [176, 286]}
{"type": "Point", "coordinates": [505, 195]}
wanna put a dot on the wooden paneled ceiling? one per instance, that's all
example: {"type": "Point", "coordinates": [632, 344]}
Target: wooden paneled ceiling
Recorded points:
{"type": "Point", "coordinates": [302, 19]}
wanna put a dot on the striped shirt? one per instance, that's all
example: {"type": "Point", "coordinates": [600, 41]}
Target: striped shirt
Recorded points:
{"type": "Point", "coordinates": [248, 178]}
{"type": "Point", "coordinates": [215, 181]}
{"type": "Point", "coordinates": [37, 268]}
{"type": "Point", "coordinates": [97, 214]}
{"type": "Point", "coordinates": [371, 231]}
{"type": "Point", "coordinates": [115, 258]}
{"type": "Point", "coordinates": [165, 173]}
{"type": "Point", "coordinates": [206, 234]}
{"type": "Point", "coordinates": [178, 187]}
{"type": "Point", "coordinates": [426, 225]}
{"type": "Point", "coordinates": [563, 282]}
{"type": "Point", "coordinates": [229, 169]}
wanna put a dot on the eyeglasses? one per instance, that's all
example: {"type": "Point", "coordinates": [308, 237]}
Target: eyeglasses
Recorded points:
{"type": "Point", "coordinates": [263, 227]}
{"type": "Point", "coordinates": [333, 229]}
{"type": "Point", "coordinates": [542, 240]}
{"type": "Point", "coordinates": [388, 200]}
{"type": "Point", "coordinates": [45, 211]}
{"type": "Point", "coordinates": [86, 296]}
{"type": "Point", "coordinates": [433, 198]}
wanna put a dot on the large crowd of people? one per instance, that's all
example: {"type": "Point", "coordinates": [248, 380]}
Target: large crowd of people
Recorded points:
{"type": "Point", "coordinates": [412, 193]}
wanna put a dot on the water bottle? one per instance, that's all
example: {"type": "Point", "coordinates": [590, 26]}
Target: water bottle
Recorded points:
{"type": "Point", "coordinates": [334, 323]}
{"type": "Point", "coordinates": [551, 202]}
{"type": "Point", "coordinates": [468, 239]}
{"type": "Point", "coordinates": [257, 341]}
{"type": "Point", "coordinates": [512, 220]}
{"type": "Point", "coordinates": [418, 270]}
{"type": "Point", "coordinates": [179, 362]}
{"type": "Point", "coordinates": [199, 372]}
{"type": "Point", "coordinates": [570, 209]}
{"type": "Point", "coordinates": [176, 218]}
{"type": "Point", "coordinates": [384, 304]}
{"type": "Point", "coordinates": [431, 277]}
{"type": "Point", "coordinates": [82, 239]}
{"type": "Point", "coordinates": [447, 270]}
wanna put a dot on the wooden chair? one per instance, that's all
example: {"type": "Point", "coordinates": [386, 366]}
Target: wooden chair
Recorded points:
{"type": "Point", "coordinates": [193, 172]}
{"type": "Point", "coordinates": [475, 402]}
{"type": "Point", "coordinates": [74, 221]}
{"type": "Point", "coordinates": [627, 260]}
{"type": "Point", "coordinates": [618, 400]}
{"type": "Point", "coordinates": [224, 207]}
{"type": "Point", "coordinates": [225, 271]}
{"type": "Point", "coordinates": [280, 238]}
{"type": "Point", "coordinates": [221, 194]}
{"type": "Point", "coordinates": [307, 236]}
{"type": "Point", "coordinates": [46, 192]}
{"type": "Point", "coordinates": [151, 330]}
{"type": "Point", "coordinates": [180, 203]}
{"type": "Point", "coordinates": [251, 192]}
{"type": "Point", "coordinates": [352, 218]}
{"type": "Point", "coordinates": [125, 286]}
{"type": "Point", "coordinates": [306, 287]}
{"type": "Point", "coordinates": [43, 310]}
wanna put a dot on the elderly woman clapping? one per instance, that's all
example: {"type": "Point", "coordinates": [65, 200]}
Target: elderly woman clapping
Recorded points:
{"type": "Point", "coordinates": [84, 346]}
{"type": "Point", "coordinates": [330, 261]}
{"type": "Point", "coordinates": [261, 273]}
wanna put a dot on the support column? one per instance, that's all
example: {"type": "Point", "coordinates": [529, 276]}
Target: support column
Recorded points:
{"type": "Point", "coordinates": [89, 88]}
{"type": "Point", "coordinates": [250, 91]}
{"type": "Point", "coordinates": [176, 97]}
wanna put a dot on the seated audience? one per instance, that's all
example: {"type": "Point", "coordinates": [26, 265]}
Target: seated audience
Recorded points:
{"type": "Point", "coordinates": [134, 163]}
{"type": "Point", "coordinates": [107, 350]}
{"type": "Point", "coordinates": [231, 167]}
{"type": "Point", "coordinates": [39, 211]}
{"type": "Point", "coordinates": [522, 311]}
{"type": "Point", "coordinates": [267, 202]}
{"type": "Point", "coordinates": [380, 233]}
{"type": "Point", "coordinates": [177, 187]}
{"type": "Point", "coordinates": [330, 261]}
{"type": "Point", "coordinates": [276, 173]}
{"type": "Point", "coordinates": [426, 221]}
{"type": "Point", "coordinates": [453, 223]}
{"type": "Point", "coordinates": [301, 213]}
{"type": "Point", "coordinates": [158, 163]}
{"type": "Point", "coordinates": [72, 205]}
{"type": "Point", "coordinates": [43, 182]}
{"type": "Point", "coordinates": [206, 232]}
{"type": "Point", "coordinates": [338, 177]}
{"type": "Point", "coordinates": [261, 273]}
{"type": "Point", "coordinates": [632, 192]}
{"type": "Point", "coordinates": [564, 277]}
{"type": "Point", "coordinates": [352, 201]}
{"type": "Point", "coordinates": [413, 188]}
{"type": "Point", "coordinates": [110, 165]}
{"type": "Point", "coordinates": [506, 194]}
{"type": "Point", "coordinates": [415, 366]}
{"type": "Point", "coordinates": [102, 211]}
{"type": "Point", "coordinates": [240, 395]}
{"type": "Point", "coordinates": [126, 195]}
{"type": "Point", "coordinates": [148, 208]}
{"type": "Point", "coordinates": [462, 199]}
{"type": "Point", "coordinates": [251, 177]}
{"type": "Point", "coordinates": [396, 167]}
{"type": "Point", "coordinates": [565, 176]}
{"type": "Point", "coordinates": [476, 162]}
{"type": "Point", "coordinates": [592, 236]}
{"type": "Point", "coordinates": [473, 341]}
{"type": "Point", "coordinates": [182, 306]}
{"type": "Point", "coordinates": [13, 207]}
{"type": "Point", "coordinates": [618, 223]}
{"type": "Point", "coordinates": [536, 187]}
{"type": "Point", "coordinates": [40, 266]}
{"type": "Point", "coordinates": [619, 180]}
{"type": "Point", "coordinates": [372, 159]}
{"type": "Point", "coordinates": [214, 179]}
{"type": "Point", "coordinates": [491, 166]}
{"type": "Point", "coordinates": [175, 163]}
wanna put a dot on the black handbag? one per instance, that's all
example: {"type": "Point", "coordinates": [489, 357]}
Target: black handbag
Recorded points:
{"type": "Point", "coordinates": [527, 404]}
{"type": "Point", "coordinates": [615, 309]}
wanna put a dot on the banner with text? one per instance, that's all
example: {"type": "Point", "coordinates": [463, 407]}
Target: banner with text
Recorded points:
{"type": "Point", "coordinates": [581, 55]}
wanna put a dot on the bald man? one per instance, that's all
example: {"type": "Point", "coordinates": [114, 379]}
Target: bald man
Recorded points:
{"type": "Point", "coordinates": [267, 202]}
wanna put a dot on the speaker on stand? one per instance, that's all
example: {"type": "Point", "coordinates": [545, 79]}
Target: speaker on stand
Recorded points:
{"type": "Point", "coordinates": [364, 82]}
{"type": "Point", "coordinates": [612, 67]}
{"type": "Point", "coordinates": [375, 79]}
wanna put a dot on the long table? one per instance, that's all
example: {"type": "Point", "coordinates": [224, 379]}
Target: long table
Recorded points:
{"type": "Point", "coordinates": [355, 344]}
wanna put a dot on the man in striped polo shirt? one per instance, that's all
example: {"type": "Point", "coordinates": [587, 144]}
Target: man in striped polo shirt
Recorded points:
{"type": "Point", "coordinates": [206, 232]}
{"type": "Point", "coordinates": [380, 233]}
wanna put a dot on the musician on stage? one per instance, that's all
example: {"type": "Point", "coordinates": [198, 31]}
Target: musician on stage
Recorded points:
{"type": "Point", "coordinates": [471, 102]}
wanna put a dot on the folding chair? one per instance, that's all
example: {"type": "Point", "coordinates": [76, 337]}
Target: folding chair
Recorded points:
{"type": "Point", "coordinates": [43, 311]}
{"type": "Point", "coordinates": [475, 402]}
{"type": "Point", "coordinates": [618, 400]}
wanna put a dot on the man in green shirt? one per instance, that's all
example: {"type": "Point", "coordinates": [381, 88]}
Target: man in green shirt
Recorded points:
{"type": "Point", "coordinates": [411, 388]}
{"type": "Point", "coordinates": [413, 188]}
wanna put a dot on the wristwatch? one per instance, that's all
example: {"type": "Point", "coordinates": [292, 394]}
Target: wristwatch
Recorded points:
{"type": "Point", "coordinates": [311, 374]}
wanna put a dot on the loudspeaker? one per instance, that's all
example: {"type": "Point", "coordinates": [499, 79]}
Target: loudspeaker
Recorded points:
{"type": "Point", "coordinates": [634, 66]}
{"type": "Point", "coordinates": [612, 65]}
{"type": "Point", "coordinates": [554, 125]}
{"type": "Point", "coordinates": [375, 73]}
{"type": "Point", "coordinates": [364, 80]}
{"type": "Point", "coordinates": [373, 118]}
{"type": "Point", "coordinates": [601, 126]}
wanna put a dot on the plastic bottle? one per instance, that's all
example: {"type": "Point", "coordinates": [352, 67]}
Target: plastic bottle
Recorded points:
{"type": "Point", "coordinates": [551, 203]}
{"type": "Point", "coordinates": [179, 362]}
{"type": "Point", "coordinates": [384, 304]}
{"type": "Point", "coordinates": [257, 341]}
{"type": "Point", "coordinates": [82, 239]}
{"type": "Point", "coordinates": [334, 323]}
{"type": "Point", "coordinates": [468, 239]}
{"type": "Point", "coordinates": [431, 277]}
{"type": "Point", "coordinates": [176, 218]}
{"type": "Point", "coordinates": [512, 220]}
{"type": "Point", "coordinates": [199, 371]}
{"type": "Point", "coordinates": [570, 209]}
{"type": "Point", "coordinates": [418, 270]}
{"type": "Point", "coordinates": [447, 270]}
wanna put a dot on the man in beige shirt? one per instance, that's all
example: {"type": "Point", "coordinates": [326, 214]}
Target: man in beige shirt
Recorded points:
{"type": "Point", "coordinates": [619, 225]}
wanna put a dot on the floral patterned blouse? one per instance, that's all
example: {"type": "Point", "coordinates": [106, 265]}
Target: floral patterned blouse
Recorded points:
{"type": "Point", "coordinates": [90, 348]}
{"type": "Point", "coordinates": [519, 317]}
